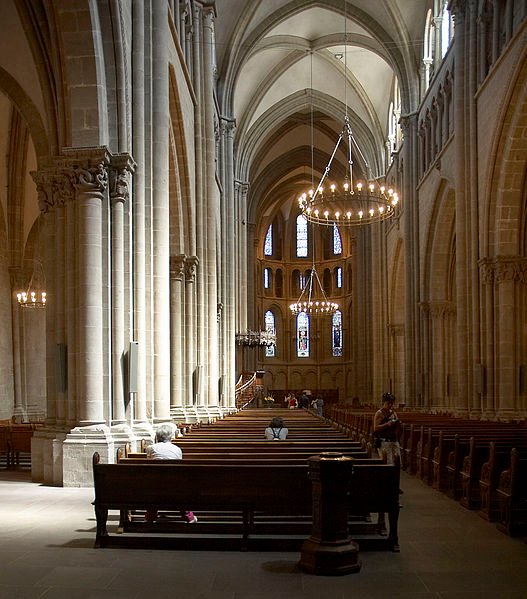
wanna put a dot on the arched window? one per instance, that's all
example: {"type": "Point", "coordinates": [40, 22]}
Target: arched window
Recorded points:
{"type": "Point", "coordinates": [338, 277]}
{"type": "Point", "coordinates": [302, 335]}
{"type": "Point", "coordinates": [428, 49]}
{"type": "Point", "coordinates": [394, 116]}
{"type": "Point", "coordinates": [301, 236]}
{"type": "Point", "coordinates": [337, 241]}
{"type": "Point", "coordinates": [336, 333]}
{"type": "Point", "coordinates": [266, 278]}
{"type": "Point", "coordinates": [270, 327]}
{"type": "Point", "coordinates": [447, 29]}
{"type": "Point", "coordinates": [268, 243]}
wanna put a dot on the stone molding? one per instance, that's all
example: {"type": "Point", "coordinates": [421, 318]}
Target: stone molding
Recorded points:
{"type": "Point", "coordinates": [503, 268]}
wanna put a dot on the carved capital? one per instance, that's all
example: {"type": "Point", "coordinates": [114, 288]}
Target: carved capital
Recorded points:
{"type": "Point", "coordinates": [88, 169]}
{"type": "Point", "coordinates": [191, 265]}
{"type": "Point", "coordinates": [177, 267]}
{"type": "Point", "coordinates": [503, 268]}
{"type": "Point", "coordinates": [121, 168]}
{"type": "Point", "coordinates": [396, 330]}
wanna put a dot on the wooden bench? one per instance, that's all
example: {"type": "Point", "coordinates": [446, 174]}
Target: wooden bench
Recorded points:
{"type": "Point", "coordinates": [512, 497]}
{"type": "Point", "coordinates": [246, 491]}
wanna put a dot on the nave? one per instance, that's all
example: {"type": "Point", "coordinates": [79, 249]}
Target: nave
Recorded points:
{"type": "Point", "coordinates": [447, 552]}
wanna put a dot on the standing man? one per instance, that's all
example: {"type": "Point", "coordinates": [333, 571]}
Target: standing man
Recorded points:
{"type": "Point", "coordinates": [386, 429]}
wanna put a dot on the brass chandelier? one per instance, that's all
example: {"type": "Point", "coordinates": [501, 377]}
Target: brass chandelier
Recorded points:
{"type": "Point", "coordinates": [313, 299]}
{"type": "Point", "coordinates": [349, 202]}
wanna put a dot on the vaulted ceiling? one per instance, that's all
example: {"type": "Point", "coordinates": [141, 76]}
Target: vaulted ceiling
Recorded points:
{"type": "Point", "coordinates": [288, 73]}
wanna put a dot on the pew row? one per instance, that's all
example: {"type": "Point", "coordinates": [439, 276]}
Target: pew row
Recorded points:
{"type": "Point", "coordinates": [261, 500]}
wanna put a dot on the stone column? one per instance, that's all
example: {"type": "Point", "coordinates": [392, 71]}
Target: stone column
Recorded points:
{"type": "Point", "coordinates": [191, 263]}
{"type": "Point", "coordinates": [89, 174]}
{"type": "Point", "coordinates": [177, 343]}
{"type": "Point", "coordinates": [464, 370]}
{"type": "Point", "coordinates": [121, 167]}
{"type": "Point", "coordinates": [212, 219]}
{"type": "Point", "coordinates": [232, 275]}
{"type": "Point", "coordinates": [138, 210]}
{"type": "Point", "coordinates": [160, 213]}
{"type": "Point", "coordinates": [411, 262]}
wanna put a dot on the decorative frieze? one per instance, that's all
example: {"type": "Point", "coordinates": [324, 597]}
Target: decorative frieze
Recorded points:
{"type": "Point", "coordinates": [503, 268]}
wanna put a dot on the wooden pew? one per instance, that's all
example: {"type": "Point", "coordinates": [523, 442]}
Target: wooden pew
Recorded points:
{"type": "Point", "coordinates": [512, 497]}
{"type": "Point", "coordinates": [499, 460]}
{"type": "Point", "coordinates": [246, 491]}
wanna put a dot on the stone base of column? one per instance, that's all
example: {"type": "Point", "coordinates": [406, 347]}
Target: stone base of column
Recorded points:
{"type": "Point", "coordinates": [215, 412]}
{"type": "Point", "coordinates": [142, 430]}
{"type": "Point", "coordinates": [206, 414]}
{"type": "Point", "coordinates": [78, 449]}
{"type": "Point", "coordinates": [191, 414]}
{"type": "Point", "coordinates": [178, 414]}
{"type": "Point", "coordinates": [46, 456]}
{"type": "Point", "coordinates": [329, 559]}
{"type": "Point", "coordinates": [122, 434]}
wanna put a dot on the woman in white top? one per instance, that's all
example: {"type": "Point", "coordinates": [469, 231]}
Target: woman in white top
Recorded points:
{"type": "Point", "coordinates": [276, 430]}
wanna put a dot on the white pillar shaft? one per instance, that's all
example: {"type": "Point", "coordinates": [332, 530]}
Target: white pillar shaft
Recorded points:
{"type": "Point", "coordinates": [118, 287]}
{"type": "Point", "coordinates": [160, 216]}
{"type": "Point", "coordinates": [138, 210]}
{"type": "Point", "coordinates": [90, 342]}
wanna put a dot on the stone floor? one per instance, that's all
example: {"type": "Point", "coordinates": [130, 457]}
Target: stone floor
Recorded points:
{"type": "Point", "coordinates": [46, 551]}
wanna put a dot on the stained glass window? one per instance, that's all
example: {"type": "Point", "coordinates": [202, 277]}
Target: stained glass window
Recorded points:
{"type": "Point", "coordinates": [302, 335]}
{"type": "Point", "coordinates": [337, 241]}
{"type": "Point", "coordinates": [268, 244]}
{"type": "Point", "coordinates": [336, 336]}
{"type": "Point", "coordinates": [266, 278]}
{"type": "Point", "coordinates": [339, 277]}
{"type": "Point", "coordinates": [301, 236]}
{"type": "Point", "coordinates": [270, 350]}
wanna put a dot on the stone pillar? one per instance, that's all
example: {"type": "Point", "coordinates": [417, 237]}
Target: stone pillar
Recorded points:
{"type": "Point", "coordinates": [212, 219]}
{"type": "Point", "coordinates": [464, 370]}
{"type": "Point", "coordinates": [233, 276]}
{"type": "Point", "coordinates": [177, 339]}
{"type": "Point", "coordinates": [121, 166]}
{"type": "Point", "coordinates": [160, 213]}
{"type": "Point", "coordinates": [138, 209]}
{"type": "Point", "coordinates": [411, 262]}
{"type": "Point", "coordinates": [89, 174]}
{"type": "Point", "coordinates": [191, 263]}
{"type": "Point", "coordinates": [330, 550]}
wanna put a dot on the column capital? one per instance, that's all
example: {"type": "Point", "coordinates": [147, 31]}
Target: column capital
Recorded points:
{"type": "Point", "coordinates": [191, 264]}
{"type": "Point", "coordinates": [121, 167]}
{"type": "Point", "coordinates": [503, 268]}
{"type": "Point", "coordinates": [177, 267]}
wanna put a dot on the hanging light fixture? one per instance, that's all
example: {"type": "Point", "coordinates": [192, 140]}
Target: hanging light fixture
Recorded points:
{"type": "Point", "coordinates": [33, 296]}
{"type": "Point", "coordinates": [256, 338]}
{"type": "Point", "coordinates": [31, 299]}
{"type": "Point", "coordinates": [351, 201]}
{"type": "Point", "coordinates": [313, 299]}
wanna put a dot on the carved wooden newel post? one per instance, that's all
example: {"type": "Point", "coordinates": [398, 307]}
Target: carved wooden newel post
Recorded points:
{"type": "Point", "coordinates": [330, 549]}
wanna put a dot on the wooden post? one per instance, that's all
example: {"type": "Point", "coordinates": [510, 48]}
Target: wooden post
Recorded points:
{"type": "Point", "coordinates": [330, 549]}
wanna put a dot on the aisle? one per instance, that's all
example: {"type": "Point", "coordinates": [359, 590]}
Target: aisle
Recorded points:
{"type": "Point", "coordinates": [46, 551]}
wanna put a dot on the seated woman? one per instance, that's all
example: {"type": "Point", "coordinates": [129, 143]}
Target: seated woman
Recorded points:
{"type": "Point", "coordinates": [276, 430]}
{"type": "Point", "coordinates": [164, 449]}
